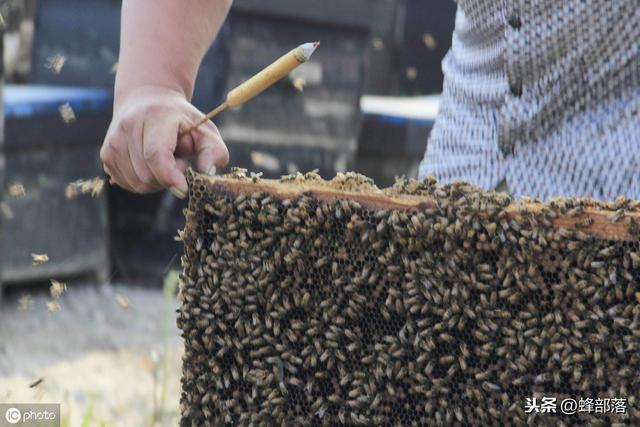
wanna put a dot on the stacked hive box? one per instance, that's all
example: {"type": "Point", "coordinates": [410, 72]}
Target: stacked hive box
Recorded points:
{"type": "Point", "coordinates": [44, 154]}
{"type": "Point", "coordinates": [282, 129]}
{"type": "Point", "coordinates": [305, 302]}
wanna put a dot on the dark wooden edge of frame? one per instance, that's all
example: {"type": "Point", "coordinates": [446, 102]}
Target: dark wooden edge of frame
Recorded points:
{"type": "Point", "coordinates": [601, 227]}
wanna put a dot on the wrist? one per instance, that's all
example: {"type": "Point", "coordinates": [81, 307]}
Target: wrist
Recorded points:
{"type": "Point", "coordinates": [128, 83]}
{"type": "Point", "coordinates": [146, 99]}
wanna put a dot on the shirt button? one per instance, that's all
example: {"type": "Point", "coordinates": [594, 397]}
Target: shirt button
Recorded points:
{"type": "Point", "coordinates": [515, 22]}
{"type": "Point", "coordinates": [507, 148]}
{"type": "Point", "coordinates": [516, 88]}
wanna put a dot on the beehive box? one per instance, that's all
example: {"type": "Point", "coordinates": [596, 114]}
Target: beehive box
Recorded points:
{"type": "Point", "coordinates": [43, 155]}
{"type": "Point", "coordinates": [296, 130]}
{"type": "Point", "coordinates": [305, 302]}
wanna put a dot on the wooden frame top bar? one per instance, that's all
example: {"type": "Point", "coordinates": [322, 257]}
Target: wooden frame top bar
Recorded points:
{"type": "Point", "coordinates": [601, 226]}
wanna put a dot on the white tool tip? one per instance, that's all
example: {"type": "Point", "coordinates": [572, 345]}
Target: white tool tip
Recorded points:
{"type": "Point", "coordinates": [308, 49]}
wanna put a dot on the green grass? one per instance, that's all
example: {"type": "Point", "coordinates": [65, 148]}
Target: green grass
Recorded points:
{"type": "Point", "coordinates": [169, 290]}
{"type": "Point", "coordinates": [88, 413]}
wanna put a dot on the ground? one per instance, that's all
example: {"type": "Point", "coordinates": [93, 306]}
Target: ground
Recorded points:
{"type": "Point", "coordinates": [111, 354]}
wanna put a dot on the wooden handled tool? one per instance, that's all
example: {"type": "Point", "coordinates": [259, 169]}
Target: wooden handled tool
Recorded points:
{"type": "Point", "coordinates": [261, 81]}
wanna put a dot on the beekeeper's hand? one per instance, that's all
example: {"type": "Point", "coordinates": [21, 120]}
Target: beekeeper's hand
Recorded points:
{"type": "Point", "coordinates": [162, 45]}
{"type": "Point", "coordinates": [143, 151]}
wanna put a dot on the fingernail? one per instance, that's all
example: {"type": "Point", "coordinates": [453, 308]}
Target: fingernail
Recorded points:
{"type": "Point", "coordinates": [177, 192]}
{"type": "Point", "coordinates": [211, 171]}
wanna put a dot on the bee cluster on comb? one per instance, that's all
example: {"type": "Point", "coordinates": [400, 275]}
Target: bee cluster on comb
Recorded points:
{"type": "Point", "coordinates": [312, 302]}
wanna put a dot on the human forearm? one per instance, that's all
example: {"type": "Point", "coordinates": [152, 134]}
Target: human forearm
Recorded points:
{"type": "Point", "coordinates": [163, 42]}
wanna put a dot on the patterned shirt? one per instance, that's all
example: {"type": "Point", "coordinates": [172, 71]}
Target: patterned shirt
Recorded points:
{"type": "Point", "coordinates": [544, 94]}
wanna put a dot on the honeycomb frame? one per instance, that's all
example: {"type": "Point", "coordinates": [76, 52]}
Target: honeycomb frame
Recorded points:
{"type": "Point", "coordinates": [312, 302]}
